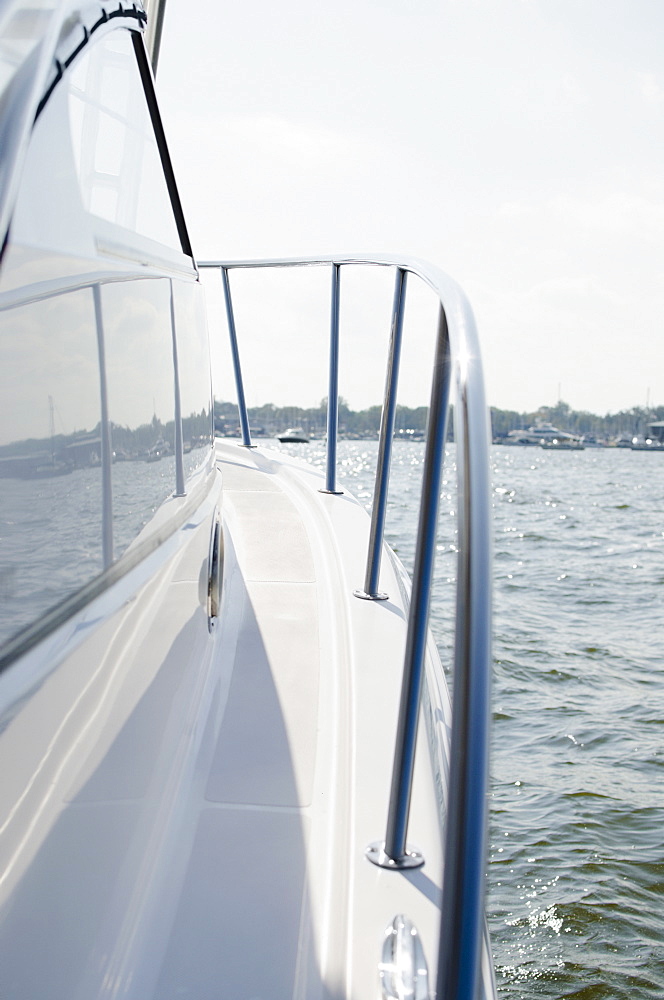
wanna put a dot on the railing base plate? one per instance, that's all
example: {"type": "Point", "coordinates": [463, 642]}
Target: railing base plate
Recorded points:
{"type": "Point", "coordinates": [362, 594]}
{"type": "Point", "coordinates": [376, 854]}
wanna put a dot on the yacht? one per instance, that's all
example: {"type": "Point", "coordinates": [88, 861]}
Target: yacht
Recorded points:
{"type": "Point", "coordinates": [293, 435]}
{"type": "Point", "coordinates": [229, 764]}
{"type": "Point", "coordinates": [542, 433]}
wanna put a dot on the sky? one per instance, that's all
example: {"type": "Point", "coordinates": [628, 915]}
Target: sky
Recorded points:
{"type": "Point", "coordinates": [517, 144]}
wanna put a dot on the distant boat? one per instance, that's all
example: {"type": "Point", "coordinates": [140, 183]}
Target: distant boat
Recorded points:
{"type": "Point", "coordinates": [48, 470]}
{"type": "Point", "coordinates": [293, 435]}
{"type": "Point", "coordinates": [540, 433]}
{"type": "Point", "coordinates": [409, 434]}
{"type": "Point", "coordinates": [562, 444]}
{"type": "Point", "coordinates": [590, 441]}
{"type": "Point", "coordinates": [646, 444]}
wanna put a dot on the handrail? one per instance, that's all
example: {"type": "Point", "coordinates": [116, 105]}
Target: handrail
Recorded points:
{"type": "Point", "coordinates": [237, 367]}
{"type": "Point", "coordinates": [333, 386]}
{"type": "Point", "coordinates": [458, 358]}
{"type": "Point", "coordinates": [394, 852]}
{"type": "Point", "coordinates": [386, 436]}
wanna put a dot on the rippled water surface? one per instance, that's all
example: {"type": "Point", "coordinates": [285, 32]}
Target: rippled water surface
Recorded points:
{"type": "Point", "coordinates": [576, 867]}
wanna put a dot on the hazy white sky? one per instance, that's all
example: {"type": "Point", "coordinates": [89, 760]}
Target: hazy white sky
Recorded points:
{"type": "Point", "coordinates": [519, 144]}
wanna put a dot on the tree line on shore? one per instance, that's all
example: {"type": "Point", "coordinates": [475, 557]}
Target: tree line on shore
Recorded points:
{"type": "Point", "coordinates": [270, 419]}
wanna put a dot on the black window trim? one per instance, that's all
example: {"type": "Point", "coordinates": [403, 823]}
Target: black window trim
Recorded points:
{"type": "Point", "coordinates": [153, 108]}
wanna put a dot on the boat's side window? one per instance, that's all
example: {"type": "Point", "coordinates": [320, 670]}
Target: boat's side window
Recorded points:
{"type": "Point", "coordinates": [88, 398]}
{"type": "Point", "coordinates": [194, 374]}
{"type": "Point", "coordinates": [139, 377]}
{"type": "Point", "coordinates": [117, 160]}
{"type": "Point", "coordinates": [50, 456]}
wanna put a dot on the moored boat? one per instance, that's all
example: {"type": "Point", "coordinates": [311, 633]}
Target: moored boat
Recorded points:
{"type": "Point", "coordinates": [542, 433]}
{"type": "Point", "coordinates": [569, 443]}
{"type": "Point", "coordinates": [293, 435]}
{"type": "Point", "coordinates": [646, 444]}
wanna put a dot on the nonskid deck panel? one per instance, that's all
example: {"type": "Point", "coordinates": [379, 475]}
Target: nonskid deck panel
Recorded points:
{"type": "Point", "coordinates": [286, 811]}
{"type": "Point", "coordinates": [246, 874]}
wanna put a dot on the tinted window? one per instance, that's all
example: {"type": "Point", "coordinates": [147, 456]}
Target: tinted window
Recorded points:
{"type": "Point", "coordinates": [141, 401]}
{"type": "Point", "coordinates": [194, 374]}
{"type": "Point", "coordinates": [117, 160]}
{"type": "Point", "coordinates": [80, 481]}
{"type": "Point", "coordinates": [50, 456]}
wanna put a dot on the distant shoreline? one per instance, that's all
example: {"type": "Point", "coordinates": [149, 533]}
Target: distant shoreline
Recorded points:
{"type": "Point", "coordinates": [269, 420]}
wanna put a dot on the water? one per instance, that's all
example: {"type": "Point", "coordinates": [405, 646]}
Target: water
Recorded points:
{"type": "Point", "coordinates": [577, 804]}
{"type": "Point", "coordinates": [576, 860]}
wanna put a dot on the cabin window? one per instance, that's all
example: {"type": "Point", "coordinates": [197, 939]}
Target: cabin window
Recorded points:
{"type": "Point", "coordinates": [194, 374]}
{"type": "Point", "coordinates": [50, 456]}
{"type": "Point", "coordinates": [138, 345]}
{"type": "Point", "coordinates": [88, 399]}
{"type": "Point", "coordinates": [117, 160]}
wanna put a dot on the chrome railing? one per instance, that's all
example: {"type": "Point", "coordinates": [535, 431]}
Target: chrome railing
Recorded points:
{"type": "Point", "coordinates": [457, 361]}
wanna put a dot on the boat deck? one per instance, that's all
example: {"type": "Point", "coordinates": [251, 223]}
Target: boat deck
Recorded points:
{"type": "Point", "coordinates": [294, 775]}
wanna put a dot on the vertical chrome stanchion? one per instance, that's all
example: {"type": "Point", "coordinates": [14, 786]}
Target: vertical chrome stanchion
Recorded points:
{"type": "Point", "coordinates": [106, 443]}
{"type": "Point", "coordinates": [333, 388]}
{"type": "Point", "coordinates": [371, 592]}
{"type": "Point", "coordinates": [237, 370]}
{"type": "Point", "coordinates": [179, 444]}
{"type": "Point", "coordinates": [462, 912]}
{"type": "Point", "coordinates": [394, 853]}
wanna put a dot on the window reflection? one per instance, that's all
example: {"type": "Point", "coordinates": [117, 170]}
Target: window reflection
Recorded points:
{"type": "Point", "coordinates": [80, 481]}
{"type": "Point", "coordinates": [141, 402]}
{"type": "Point", "coordinates": [50, 456]}
{"type": "Point", "coordinates": [117, 159]}
{"type": "Point", "coordinates": [194, 374]}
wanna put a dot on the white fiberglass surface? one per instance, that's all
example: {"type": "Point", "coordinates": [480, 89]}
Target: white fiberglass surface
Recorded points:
{"type": "Point", "coordinates": [238, 926]}
{"type": "Point", "coordinates": [92, 759]}
{"type": "Point", "coordinates": [298, 778]}
{"type": "Point", "coordinates": [206, 817]}
{"type": "Point", "coordinates": [239, 920]}
{"type": "Point", "coordinates": [267, 745]}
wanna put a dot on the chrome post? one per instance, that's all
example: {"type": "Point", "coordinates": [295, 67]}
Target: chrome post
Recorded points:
{"type": "Point", "coordinates": [106, 443]}
{"type": "Point", "coordinates": [379, 509]}
{"type": "Point", "coordinates": [333, 387]}
{"type": "Point", "coordinates": [394, 853]}
{"type": "Point", "coordinates": [462, 912]}
{"type": "Point", "coordinates": [237, 369]}
{"type": "Point", "coordinates": [179, 445]}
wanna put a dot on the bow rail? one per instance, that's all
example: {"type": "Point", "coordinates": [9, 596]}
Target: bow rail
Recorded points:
{"type": "Point", "coordinates": [456, 364]}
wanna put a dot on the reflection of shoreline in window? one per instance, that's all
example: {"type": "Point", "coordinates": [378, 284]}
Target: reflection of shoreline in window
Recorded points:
{"type": "Point", "coordinates": [49, 377]}
{"type": "Point", "coordinates": [50, 470]}
{"type": "Point", "coordinates": [61, 487]}
{"type": "Point", "coordinates": [193, 373]}
{"type": "Point", "coordinates": [115, 150]}
{"type": "Point", "coordinates": [138, 349]}
{"type": "Point", "coordinates": [139, 354]}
